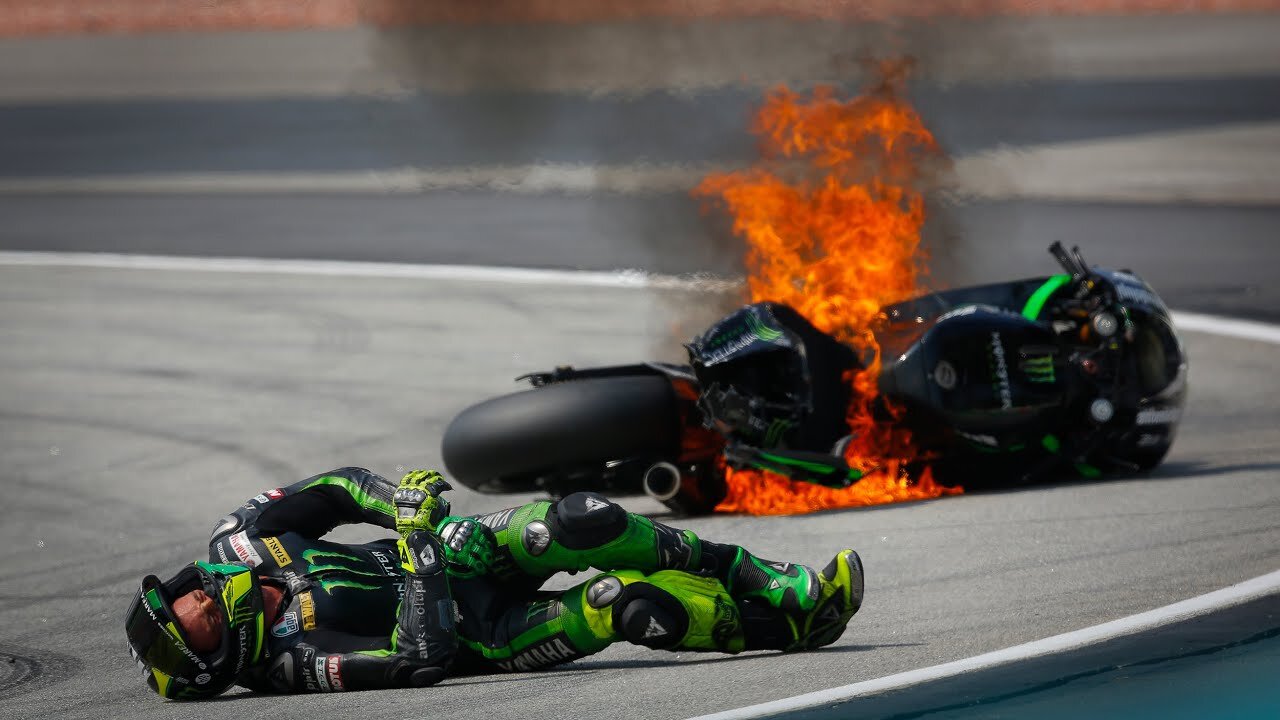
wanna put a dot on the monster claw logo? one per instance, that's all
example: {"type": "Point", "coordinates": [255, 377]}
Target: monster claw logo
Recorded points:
{"type": "Point", "coordinates": [1039, 369]}
{"type": "Point", "coordinates": [760, 330]}
{"type": "Point", "coordinates": [333, 570]}
{"type": "Point", "coordinates": [774, 434]}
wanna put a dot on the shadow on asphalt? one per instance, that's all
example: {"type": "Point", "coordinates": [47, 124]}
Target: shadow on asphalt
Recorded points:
{"type": "Point", "coordinates": [590, 666]}
{"type": "Point", "coordinates": [1167, 471]}
{"type": "Point", "coordinates": [1193, 468]}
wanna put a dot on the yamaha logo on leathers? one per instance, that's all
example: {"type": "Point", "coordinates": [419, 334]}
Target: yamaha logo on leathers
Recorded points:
{"type": "Point", "coordinates": [243, 548]}
{"type": "Point", "coordinates": [549, 652]}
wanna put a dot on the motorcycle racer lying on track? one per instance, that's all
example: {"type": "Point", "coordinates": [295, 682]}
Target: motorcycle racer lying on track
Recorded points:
{"type": "Point", "coordinates": [278, 609]}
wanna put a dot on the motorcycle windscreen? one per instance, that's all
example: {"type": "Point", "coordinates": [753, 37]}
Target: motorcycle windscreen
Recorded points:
{"type": "Point", "coordinates": [985, 373]}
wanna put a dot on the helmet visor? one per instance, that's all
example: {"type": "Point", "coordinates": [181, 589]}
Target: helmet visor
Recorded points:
{"type": "Point", "coordinates": [155, 641]}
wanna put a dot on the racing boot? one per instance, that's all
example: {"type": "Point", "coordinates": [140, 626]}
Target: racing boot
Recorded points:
{"type": "Point", "coordinates": [839, 597]}
{"type": "Point", "coordinates": [782, 585]}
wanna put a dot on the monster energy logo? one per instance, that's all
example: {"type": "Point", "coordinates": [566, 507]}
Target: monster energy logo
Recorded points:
{"type": "Point", "coordinates": [774, 434]}
{"type": "Point", "coordinates": [762, 331]}
{"type": "Point", "coordinates": [324, 565]}
{"type": "Point", "coordinates": [1000, 372]}
{"type": "Point", "coordinates": [1039, 369]}
{"type": "Point", "coordinates": [243, 613]}
{"type": "Point", "coordinates": [754, 328]}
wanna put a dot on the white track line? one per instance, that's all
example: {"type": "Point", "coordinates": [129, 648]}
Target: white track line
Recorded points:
{"type": "Point", "coordinates": [474, 273]}
{"type": "Point", "coordinates": [540, 178]}
{"type": "Point", "coordinates": [1230, 327]}
{"type": "Point", "coordinates": [1226, 597]}
{"type": "Point", "coordinates": [1195, 322]}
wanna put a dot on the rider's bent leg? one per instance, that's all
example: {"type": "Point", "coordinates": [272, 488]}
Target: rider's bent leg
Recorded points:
{"type": "Point", "coordinates": [588, 530]}
{"type": "Point", "coordinates": [667, 610]}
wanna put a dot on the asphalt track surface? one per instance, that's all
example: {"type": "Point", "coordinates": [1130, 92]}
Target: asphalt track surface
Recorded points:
{"type": "Point", "coordinates": [136, 407]}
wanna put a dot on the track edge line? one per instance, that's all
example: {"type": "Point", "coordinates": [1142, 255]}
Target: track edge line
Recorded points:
{"type": "Point", "coordinates": [1193, 607]}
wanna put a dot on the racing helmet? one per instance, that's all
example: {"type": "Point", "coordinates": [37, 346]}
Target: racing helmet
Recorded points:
{"type": "Point", "coordinates": [160, 647]}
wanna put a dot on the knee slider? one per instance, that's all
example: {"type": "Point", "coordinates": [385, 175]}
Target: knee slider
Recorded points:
{"type": "Point", "coordinates": [586, 520]}
{"type": "Point", "coordinates": [646, 615]}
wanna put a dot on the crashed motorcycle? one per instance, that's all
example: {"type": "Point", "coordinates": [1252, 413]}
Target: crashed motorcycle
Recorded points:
{"type": "Point", "coordinates": [1007, 383]}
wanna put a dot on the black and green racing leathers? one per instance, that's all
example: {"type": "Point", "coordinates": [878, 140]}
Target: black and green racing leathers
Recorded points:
{"type": "Point", "coordinates": [359, 616]}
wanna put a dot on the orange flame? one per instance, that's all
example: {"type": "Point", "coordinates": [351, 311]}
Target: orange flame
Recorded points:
{"type": "Point", "coordinates": [831, 218]}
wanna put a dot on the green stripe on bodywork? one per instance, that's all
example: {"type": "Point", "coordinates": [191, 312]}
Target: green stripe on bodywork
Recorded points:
{"type": "Point", "coordinates": [811, 466]}
{"type": "Point", "coordinates": [781, 463]}
{"type": "Point", "coordinates": [1036, 302]}
{"type": "Point", "coordinates": [364, 499]}
{"type": "Point", "coordinates": [1088, 470]}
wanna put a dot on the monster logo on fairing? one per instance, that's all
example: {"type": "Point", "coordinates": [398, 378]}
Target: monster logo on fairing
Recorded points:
{"type": "Point", "coordinates": [1000, 371]}
{"type": "Point", "coordinates": [1039, 369]}
{"type": "Point", "coordinates": [325, 564]}
{"type": "Point", "coordinates": [749, 328]}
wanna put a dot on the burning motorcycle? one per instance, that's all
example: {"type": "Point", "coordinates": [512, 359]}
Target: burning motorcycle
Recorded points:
{"type": "Point", "coordinates": [995, 384]}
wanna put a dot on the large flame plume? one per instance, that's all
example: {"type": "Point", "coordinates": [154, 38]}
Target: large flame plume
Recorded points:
{"type": "Point", "coordinates": [831, 217]}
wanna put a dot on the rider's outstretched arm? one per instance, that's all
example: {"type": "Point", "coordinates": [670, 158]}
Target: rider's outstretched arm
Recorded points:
{"type": "Point", "coordinates": [310, 508]}
{"type": "Point", "coordinates": [418, 653]}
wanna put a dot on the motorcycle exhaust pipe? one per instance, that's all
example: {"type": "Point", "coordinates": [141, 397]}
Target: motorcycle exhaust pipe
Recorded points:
{"type": "Point", "coordinates": [661, 481]}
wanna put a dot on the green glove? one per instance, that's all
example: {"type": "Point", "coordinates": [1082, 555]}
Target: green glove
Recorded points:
{"type": "Point", "coordinates": [418, 502]}
{"type": "Point", "coordinates": [469, 547]}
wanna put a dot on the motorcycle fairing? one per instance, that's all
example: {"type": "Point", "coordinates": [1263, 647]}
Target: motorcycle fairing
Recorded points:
{"type": "Point", "coordinates": [771, 379]}
{"type": "Point", "coordinates": [994, 377]}
{"type": "Point", "coordinates": [750, 330]}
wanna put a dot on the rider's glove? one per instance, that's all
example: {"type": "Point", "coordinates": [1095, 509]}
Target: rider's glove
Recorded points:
{"type": "Point", "coordinates": [469, 546]}
{"type": "Point", "coordinates": [419, 505]}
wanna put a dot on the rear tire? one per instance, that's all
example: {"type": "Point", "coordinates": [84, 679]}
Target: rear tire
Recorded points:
{"type": "Point", "coordinates": [515, 442]}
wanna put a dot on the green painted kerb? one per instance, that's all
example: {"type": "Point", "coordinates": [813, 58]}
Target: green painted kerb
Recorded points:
{"type": "Point", "coordinates": [1035, 303]}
